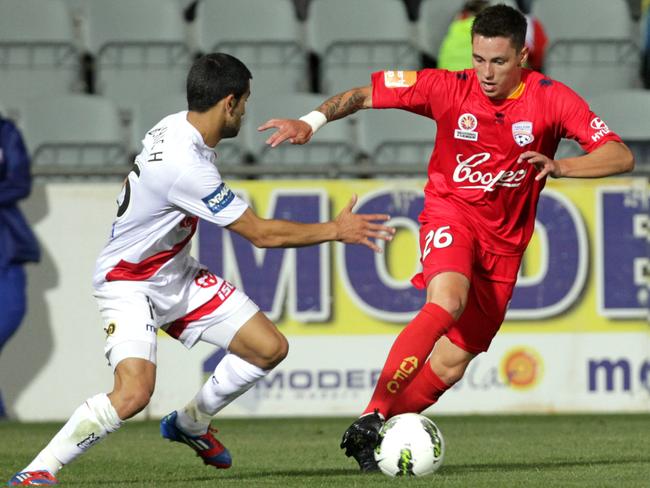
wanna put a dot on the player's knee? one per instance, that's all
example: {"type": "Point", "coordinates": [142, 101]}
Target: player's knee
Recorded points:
{"type": "Point", "coordinates": [454, 303]}
{"type": "Point", "coordinates": [274, 353]}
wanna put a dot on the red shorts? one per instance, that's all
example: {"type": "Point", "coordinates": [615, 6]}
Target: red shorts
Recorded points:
{"type": "Point", "coordinates": [448, 244]}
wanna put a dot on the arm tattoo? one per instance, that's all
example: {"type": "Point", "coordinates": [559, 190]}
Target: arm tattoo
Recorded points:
{"type": "Point", "coordinates": [342, 105]}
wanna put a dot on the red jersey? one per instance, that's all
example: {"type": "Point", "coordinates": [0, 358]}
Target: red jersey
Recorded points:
{"type": "Point", "coordinates": [474, 165]}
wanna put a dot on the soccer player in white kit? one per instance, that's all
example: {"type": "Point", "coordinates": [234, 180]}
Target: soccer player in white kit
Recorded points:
{"type": "Point", "coordinates": [145, 278]}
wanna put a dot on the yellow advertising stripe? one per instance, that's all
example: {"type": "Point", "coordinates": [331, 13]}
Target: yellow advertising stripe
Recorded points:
{"type": "Point", "coordinates": [349, 317]}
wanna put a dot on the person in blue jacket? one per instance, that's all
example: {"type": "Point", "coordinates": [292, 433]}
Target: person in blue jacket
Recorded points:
{"type": "Point", "coordinates": [18, 244]}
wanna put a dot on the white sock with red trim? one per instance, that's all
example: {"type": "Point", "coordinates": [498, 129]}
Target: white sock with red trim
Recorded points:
{"type": "Point", "coordinates": [90, 423]}
{"type": "Point", "coordinates": [232, 377]}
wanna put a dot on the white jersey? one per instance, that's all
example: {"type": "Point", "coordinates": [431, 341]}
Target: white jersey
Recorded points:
{"type": "Point", "coordinates": [174, 183]}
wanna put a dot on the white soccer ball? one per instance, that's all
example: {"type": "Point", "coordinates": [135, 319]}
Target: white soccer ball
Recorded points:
{"type": "Point", "coordinates": [411, 445]}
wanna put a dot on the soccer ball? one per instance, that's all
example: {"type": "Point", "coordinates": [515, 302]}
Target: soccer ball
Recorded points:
{"type": "Point", "coordinates": [410, 445]}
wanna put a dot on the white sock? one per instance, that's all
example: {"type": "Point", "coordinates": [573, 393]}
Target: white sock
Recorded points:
{"type": "Point", "coordinates": [89, 424]}
{"type": "Point", "coordinates": [232, 377]}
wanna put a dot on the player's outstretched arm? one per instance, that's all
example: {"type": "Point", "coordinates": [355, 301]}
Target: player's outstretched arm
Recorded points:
{"type": "Point", "coordinates": [611, 158]}
{"type": "Point", "coordinates": [347, 227]}
{"type": "Point", "coordinates": [300, 131]}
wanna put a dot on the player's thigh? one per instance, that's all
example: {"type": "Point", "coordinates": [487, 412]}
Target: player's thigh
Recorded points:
{"type": "Point", "coordinates": [211, 310]}
{"type": "Point", "coordinates": [129, 323]}
{"type": "Point", "coordinates": [445, 247]}
{"type": "Point", "coordinates": [484, 313]}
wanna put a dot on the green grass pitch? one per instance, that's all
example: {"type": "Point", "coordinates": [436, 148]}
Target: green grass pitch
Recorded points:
{"type": "Point", "coordinates": [494, 451]}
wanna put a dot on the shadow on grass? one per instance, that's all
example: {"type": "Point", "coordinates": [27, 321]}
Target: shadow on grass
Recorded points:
{"type": "Point", "coordinates": [238, 477]}
{"type": "Point", "coordinates": [489, 467]}
{"type": "Point", "coordinates": [445, 471]}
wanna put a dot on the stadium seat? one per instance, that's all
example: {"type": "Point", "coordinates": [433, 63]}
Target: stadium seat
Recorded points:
{"type": "Point", "coordinates": [356, 38]}
{"type": "Point", "coordinates": [332, 143]}
{"type": "Point", "coordinates": [151, 110]}
{"type": "Point", "coordinates": [266, 36]}
{"type": "Point", "coordinates": [37, 50]}
{"type": "Point", "coordinates": [627, 112]}
{"type": "Point", "coordinates": [139, 46]}
{"type": "Point", "coordinates": [73, 131]}
{"type": "Point", "coordinates": [590, 44]}
{"type": "Point", "coordinates": [394, 137]}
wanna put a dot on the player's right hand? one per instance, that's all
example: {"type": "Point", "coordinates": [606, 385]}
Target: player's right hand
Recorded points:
{"type": "Point", "coordinates": [293, 130]}
{"type": "Point", "coordinates": [362, 229]}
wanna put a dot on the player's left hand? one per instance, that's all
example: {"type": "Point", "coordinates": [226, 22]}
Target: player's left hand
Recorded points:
{"type": "Point", "coordinates": [545, 165]}
{"type": "Point", "coordinates": [361, 228]}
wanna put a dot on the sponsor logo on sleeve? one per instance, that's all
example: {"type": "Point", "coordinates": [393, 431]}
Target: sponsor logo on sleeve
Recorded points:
{"type": "Point", "coordinates": [599, 127]}
{"type": "Point", "coordinates": [219, 199]}
{"type": "Point", "coordinates": [466, 128]}
{"type": "Point", "coordinates": [400, 79]}
{"type": "Point", "coordinates": [522, 132]}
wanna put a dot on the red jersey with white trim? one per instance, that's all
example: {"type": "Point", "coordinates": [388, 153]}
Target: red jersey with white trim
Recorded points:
{"type": "Point", "coordinates": [474, 163]}
{"type": "Point", "coordinates": [174, 183]}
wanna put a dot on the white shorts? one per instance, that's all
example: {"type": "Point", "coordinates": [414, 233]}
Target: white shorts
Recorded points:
{"type": "Point", "coordinates": [132, 313]}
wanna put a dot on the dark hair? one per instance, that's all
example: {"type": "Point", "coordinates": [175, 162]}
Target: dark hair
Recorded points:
{"type": "Point", "coordinates": [501, 21]}
{"type": "Point", "coordinates": [213, 77]}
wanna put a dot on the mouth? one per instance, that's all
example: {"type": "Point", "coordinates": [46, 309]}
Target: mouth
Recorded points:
{"type": "Point", "coordinates": [488, 86]}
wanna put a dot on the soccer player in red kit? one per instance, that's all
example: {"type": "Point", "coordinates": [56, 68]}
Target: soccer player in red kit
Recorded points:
{"type": "Point", "coordinates": [498, 127]}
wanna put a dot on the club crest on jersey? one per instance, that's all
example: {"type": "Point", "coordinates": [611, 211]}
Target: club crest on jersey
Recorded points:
{"type": "Point", "coordinates": [219, 199]}
{"type": "Point", "coordinates": [522, 132]}
{"type": "Point", "coordinates": [466, 128]}
{"type": "Point", "coordinates": [400, 79]}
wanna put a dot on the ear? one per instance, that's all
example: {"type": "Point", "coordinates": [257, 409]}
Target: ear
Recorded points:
{"type": "Point", "coordinates": [523, 56]}
{"type": "Point", "coordinates": [230, 102]}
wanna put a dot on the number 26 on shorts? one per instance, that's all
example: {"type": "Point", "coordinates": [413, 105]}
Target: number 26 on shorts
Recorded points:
{"type": "Point", "coordinates": [439, 238]}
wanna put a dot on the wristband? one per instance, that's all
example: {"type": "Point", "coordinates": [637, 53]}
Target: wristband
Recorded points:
{"type": "Point", "coordinates": [315, 119]}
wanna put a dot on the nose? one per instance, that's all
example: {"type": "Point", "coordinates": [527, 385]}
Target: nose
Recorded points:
{"type": "Point", "coordinates": [489, 71]}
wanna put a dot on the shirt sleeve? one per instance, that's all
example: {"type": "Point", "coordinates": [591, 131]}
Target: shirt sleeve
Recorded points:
{"type": "Point", "coordinates": [415, 91]}
{"type": "Point", "coordinates": [578, 122]}
{"type": "Point", "coordinates": [201, 192]}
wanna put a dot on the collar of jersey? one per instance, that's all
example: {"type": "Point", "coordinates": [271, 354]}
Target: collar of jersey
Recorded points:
{"type": "Point", "coordinates": [196, 135]}
{"type": "Point", "coordinates": [518, 92]}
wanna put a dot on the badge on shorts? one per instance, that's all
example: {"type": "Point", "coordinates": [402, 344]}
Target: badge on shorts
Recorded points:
{"type": "Point", "coordinates": [219, 199]}
{"type": "Point", "coordinates": [110, 329]}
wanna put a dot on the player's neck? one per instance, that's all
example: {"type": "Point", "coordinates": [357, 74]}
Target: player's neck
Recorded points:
{"type": "Point", "coordinates": [204, 124]}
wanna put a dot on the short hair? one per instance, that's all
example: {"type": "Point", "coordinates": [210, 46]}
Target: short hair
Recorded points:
{"type": "Point", "coordinates": [213, 77]}
{"type": "Point", "coordinates": [501, 21]}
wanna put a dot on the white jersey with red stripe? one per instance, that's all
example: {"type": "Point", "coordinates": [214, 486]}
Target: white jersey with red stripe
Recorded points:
{"type": "Point", "coordinates": [174, 183]}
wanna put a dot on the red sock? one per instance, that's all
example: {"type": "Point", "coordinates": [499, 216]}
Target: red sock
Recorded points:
{"type": "Point", "coordinates": [423, 392]}
{"type": "Point", "coordinates": [408, 353]}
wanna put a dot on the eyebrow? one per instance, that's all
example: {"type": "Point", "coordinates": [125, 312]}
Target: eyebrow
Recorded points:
{"type": "Point", "coordinates": [497, 58]}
